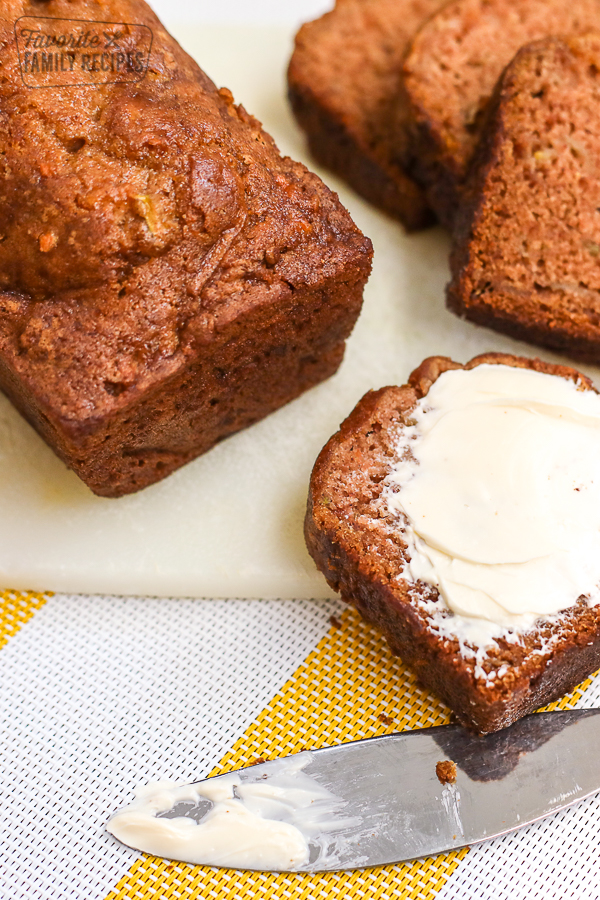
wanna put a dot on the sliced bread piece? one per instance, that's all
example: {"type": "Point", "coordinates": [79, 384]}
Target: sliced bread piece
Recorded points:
{"type": "Point", "coordinates": [526, 256]}
{"type": "Point", "coordinates": [361, 542]}
{"type": "Point", "coordinates": [450, 73]}
{"type": "Point", "coordinates": [343, 86]}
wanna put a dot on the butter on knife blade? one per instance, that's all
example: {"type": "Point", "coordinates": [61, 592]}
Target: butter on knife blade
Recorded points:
{"type": "Point", "coordinates": [372, 802]}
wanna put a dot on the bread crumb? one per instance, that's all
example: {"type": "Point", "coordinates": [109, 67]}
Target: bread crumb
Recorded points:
{"type": "Point", "coordinates": [48, 241]}
{"type": "Point", "coordinates": [334, 622]}
{"type": "Point", "coordinates": [446, 772]}
{"type": "Point", "coordinates": [387, 720]}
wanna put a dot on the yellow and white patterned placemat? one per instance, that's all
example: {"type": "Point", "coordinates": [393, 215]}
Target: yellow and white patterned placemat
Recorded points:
{"type": "Point", "coordinates": [99, 694]}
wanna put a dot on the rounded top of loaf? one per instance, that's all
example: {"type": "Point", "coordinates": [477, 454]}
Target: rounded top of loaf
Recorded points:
{"type": "Point", "coordinates": [101, 177]}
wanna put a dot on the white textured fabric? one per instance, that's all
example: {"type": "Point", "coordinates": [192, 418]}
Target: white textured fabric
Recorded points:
{"type": "Point", "coordinates": [98, 695]}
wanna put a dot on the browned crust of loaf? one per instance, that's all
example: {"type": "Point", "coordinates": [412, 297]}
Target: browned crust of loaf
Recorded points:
{"type": "Point", "coordinates": [258, 362]}
{"type": "Point", "coordinates": [361, 557]}
{"type": "Point", "coordinates": [427, 152]}
{"type": "Point", "coordinates": [336, 139]}
{"type": "Point", "coordinates": [426, 156]}
{"type": "Point", "coordinates": [485, 302]}
{"type": "Point", "coordinates": [333, 145]}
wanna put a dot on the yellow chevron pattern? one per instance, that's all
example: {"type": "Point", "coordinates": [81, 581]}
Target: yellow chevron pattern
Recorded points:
{"type": "Point", "coordinates": [350, 687]}
{"type": "Point", "coordinates": [16, 608]}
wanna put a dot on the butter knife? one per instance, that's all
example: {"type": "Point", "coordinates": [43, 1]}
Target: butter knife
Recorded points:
{"type": "Point", "coordinates": [372, 802]}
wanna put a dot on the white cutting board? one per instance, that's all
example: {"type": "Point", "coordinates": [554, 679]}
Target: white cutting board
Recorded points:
{"type": "Point", "coordinates": [230, 523]}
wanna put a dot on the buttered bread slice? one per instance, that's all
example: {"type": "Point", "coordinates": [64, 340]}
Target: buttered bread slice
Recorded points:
{"type": "Point", "coordinates": [460, 514]}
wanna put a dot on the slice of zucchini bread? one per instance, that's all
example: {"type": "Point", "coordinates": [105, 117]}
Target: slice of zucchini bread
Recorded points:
{"type": "Point", "coordinates": [526, 252]}
{"type": "Point", "coordinates": [343, 86]}
{"type": "Point", "coordinates": [454, 613]}
{"type": "Point", "coordinates": [450, 73]}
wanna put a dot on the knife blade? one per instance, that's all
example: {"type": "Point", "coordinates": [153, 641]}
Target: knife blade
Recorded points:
{"type": "Point", "coordinates": [380, 800]}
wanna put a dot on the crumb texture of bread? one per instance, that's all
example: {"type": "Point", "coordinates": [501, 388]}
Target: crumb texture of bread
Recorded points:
{"type": "Point", "coordinates": [446, 771]}
{"type": "Point", "coordinates": [526, 251]}
{"type": "Point", "coordinates": [166, 276]}
{"type": "Point", "coordinates": [344, 89]}
{"type": "Point", "coordinates": [450, 73]}
{"type": "Point", "coordinates": [362, 553]}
